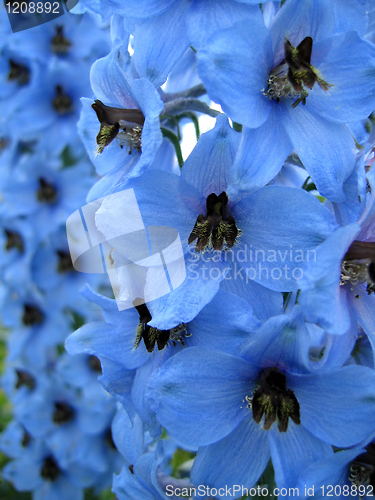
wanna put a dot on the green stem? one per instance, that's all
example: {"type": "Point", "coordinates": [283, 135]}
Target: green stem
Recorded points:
{"type": "Point", "coordinates": [176, 143]}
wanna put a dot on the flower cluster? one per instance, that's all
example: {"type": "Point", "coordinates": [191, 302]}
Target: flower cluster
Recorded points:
{"type": "Point", "coordinates": [60, 440]}
{"type": "Point", "coordinates": [239, 344]}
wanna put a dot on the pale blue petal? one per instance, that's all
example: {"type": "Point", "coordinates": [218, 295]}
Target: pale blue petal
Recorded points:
{"type": "Point", "coordinates": [155, 56]}
{"type": "Point", "coordinates": [331, 402]}
{"type": "Point", "coordinates": [256, 166]}
{"type": "Point", "coordinates": [204, 18]}
{"type": "Point", "coordinates": [238, 459]}
{"type": "Point", "coordinates": [325, 148]}
{"type": "Point", "coordinates": [347, 62]}
{"type": "Point", "coordinates": [198, 382]}
{"type": "Point", "coordinates": [293, 451]}
{"type": "Point", "coordinates": [234, 67]}
{"type": "Point", "coordinates": [207, 166]}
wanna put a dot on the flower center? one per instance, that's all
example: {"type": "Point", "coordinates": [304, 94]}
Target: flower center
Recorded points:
{"type": "Point", "coordinates": [32, 315]}
{"type": "Point", "coordinates": [124, 125]}
{"type": "Point", "coordinates": [14, 240]}
{"type": "Point", "coordinates": [151, 335]}
{"type": "Point", "coordinates": [63, 413]}
{"type": "Point", "coordinates": [50, 469]}
{"type": "Point", "coordinates": [216, 227]}
{"type": "Point", "coordinates": [65, 262]}
{"type": "Point", "coordinates": [294, 75]}
{"type": "Point", "coordinates": [273, 400]}
{"type": "Point", "coordinates": [358, 266]}
{"type": "Point", "coordinates": [25, 379]}
{"type": "Point", "coordinates": [18, 73]}
{"type": "Point", "coordinates": [362, 469]}
{"type": "Point", "coordinates": [47, 192]}
{"type": "Point", "coordinates": [59, 44]}
{"type": "Point", "coordinates": [62, 102]}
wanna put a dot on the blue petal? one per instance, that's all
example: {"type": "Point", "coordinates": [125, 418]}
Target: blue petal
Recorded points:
{"type": "Point", "coordinates": [297, 20]}
{"type": "Point", "coordinates": [348, 63]}
{"type": "Point", "coordinates": [323, 300]}
{"type": "Point", "coordinates": [279, 243]}
{"type": "Point", "coordinates": [324, 408]}
{"type": "Point", "coordinates": [364, 308]}
{"type": "Point", "coordinates": [207, 166]}
{"type": "Point", "coordinates": [329, 471]}
{"type": "Point", "coordinates": [198, 382]}
{"type": "Point", "coordinates": [204, 18]}
{"type": "Point", "coordinates": [256, 166]}
{"type": "Point", "coordinates": [154, 57]}
{"type": "Point", "coordinates": [293, 451]}
{"type": "Point", "coordinates": [234, 67]}
{"type": "Point", "coordinates": [109, 83]}
{"type": "Point", "coordinates": [140, 8]}
{"type": "Point", "coordinates": [238, 459]}
{"type": "Point", "coordinates": [325, 148]}
{"type": "Point", "coordinates": [264, 302]}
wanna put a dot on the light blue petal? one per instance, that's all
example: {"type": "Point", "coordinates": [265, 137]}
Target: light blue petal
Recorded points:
{"type": "Point", "coordinates": [297, 20]}
{"type": "Point", "coordinates": [109, 83]}
{"type": "Point", "coordinates": [324, 408]}
{"type": "Point", "coordinates": [350, 15]}
{"type": "Point", "coordinates": [293, 451]}
{"type": "Point", "coordinates": [140, 8]}
{"type": "Point", "coordinates": [323, 300]}
{"type": "Point", "coordinates": [155, 56]}
{"type": "Point", "coordinates": [256, 166]}
{"type": "Point", "coordinates": [198, 382]}
{"type": "Point", "coordinates": [330, 471]}
{"type": "Point", "coordinates": [278, 244]}
{"type": "Point", "coordinates": [347, 62]}
{"type": "Point", "coordinates": [246, 453]}
{"type": "Point", "coordinates": [325, 148]}
{"type": "Point", "coordinates": [234, 67]}
{"type": "Point", "coordinates": [264, 302]}
{"type": "Point", "coordinates": [364, 308]}
{"type": "Point", "coordinates": [207, 166]}
{"type": "Point", "coordinates": [204, 18]}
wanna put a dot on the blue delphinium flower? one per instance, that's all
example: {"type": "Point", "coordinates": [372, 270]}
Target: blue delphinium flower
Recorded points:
{"type": "Point", "coordinates": [72, 38]}
{"type": "Point", "coordinates": [179, 23]}
{"type": "Point", "coordinates": [122, 122]}
{"type": "Point", "coordinates": [337, 290]}
{"type": "Point", "coordinates": [261, 230]}
{"type": "Point", "coordinates": [294, 86]}
{"type": "Point", "coordinates": [347, 473]}
{"type": "Point", "coordinates": [50, 111]}
{"type": "Point", "coordinates": [259, 409]}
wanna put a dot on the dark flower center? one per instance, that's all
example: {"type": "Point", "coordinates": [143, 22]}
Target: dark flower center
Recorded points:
{"type": "Point", "coordinates": [294, 75]}
{"type": "Point", "coordinates": [362, 469]}
{"type": "Point", "coordinates": [216, 227]}
{"type": "Point", "coordinates": [94, 364]}
{"type": "Point", "coordinates": [14, 240]}
{"type": "Point", "coordinates": [358, 266]}
{"type": "Point", "coordinates": [123, 124]}
{"type": "Point", "coordinates": [63, 413]}
{"type": "Point", "coordinates": [62, 103]}
{"type": "Point", "coordinates": [47, 192]}
{"type": "Point", "coordinates": [26, 439]}
{"type": "Point", "coordinates": [273, 400]}
{"type": "Point", "coordinates": [109, 439]}
{"type": "Point", "coordinates": [18, 73]}
{"type": "Point", "coordinates": [32, 315]}
{"type": "Point", "coordinates": [151, 335]}
{"type": "Point", "coordinates": [65, 262]}
{"type": "Point", "coordinates": [25, 379]}
{"type": "Point", "coordinates": [59, 44]}
{"type": "Point", "coordinates": [50, 469]}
